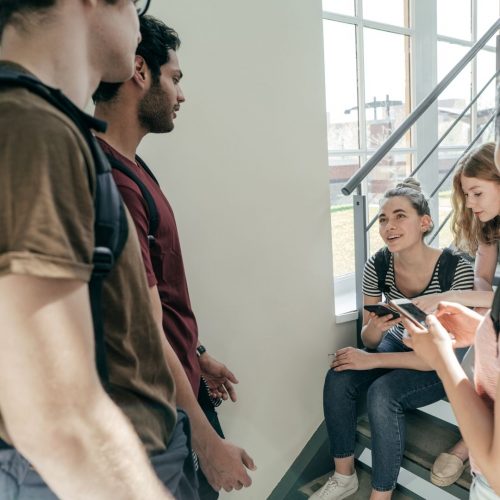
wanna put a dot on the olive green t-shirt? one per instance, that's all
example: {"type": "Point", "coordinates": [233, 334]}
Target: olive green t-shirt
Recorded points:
{"type": "Point", "coordinates": [46, 218]}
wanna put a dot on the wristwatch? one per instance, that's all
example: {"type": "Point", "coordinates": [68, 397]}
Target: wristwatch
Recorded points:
{"type": "Point", "coordinates": [200, 350]}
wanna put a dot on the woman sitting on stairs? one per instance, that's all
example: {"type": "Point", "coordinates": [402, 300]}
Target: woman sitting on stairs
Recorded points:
{"type": "Point", "coordinates": [395, 379]}
{"type": "Point", "coordinates": [475, 227]}
{"type": "Point", "coordinates": [475, 405]}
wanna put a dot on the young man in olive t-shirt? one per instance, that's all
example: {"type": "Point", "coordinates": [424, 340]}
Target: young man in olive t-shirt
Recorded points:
{"type": "Point", "coordinates": [72, 439]}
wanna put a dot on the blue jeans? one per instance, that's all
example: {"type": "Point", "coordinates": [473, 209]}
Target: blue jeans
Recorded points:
{"type": "Point", "coordinates": [20, 481]}
{"type": "Point", "coordinates": [389, 393]}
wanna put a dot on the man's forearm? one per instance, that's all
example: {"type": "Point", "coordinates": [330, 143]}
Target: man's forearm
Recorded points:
{"type": "Point", "coordinates": [202, 432]}
{"type": "Point", "coordinates": [90, 453]}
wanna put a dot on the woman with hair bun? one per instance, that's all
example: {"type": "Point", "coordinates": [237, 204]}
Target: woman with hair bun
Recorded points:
{"type": "Point", "coordinates": [393, 377]}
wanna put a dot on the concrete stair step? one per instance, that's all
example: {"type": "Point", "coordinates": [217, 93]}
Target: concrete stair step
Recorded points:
{"type": "Point", "coordinates": [426, 437]}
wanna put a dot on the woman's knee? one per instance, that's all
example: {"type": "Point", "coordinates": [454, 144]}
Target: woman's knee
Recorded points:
{"type": "Point", "coordinates": [338, 383]}
{"type": "Point", "coordinates": [381, 400]}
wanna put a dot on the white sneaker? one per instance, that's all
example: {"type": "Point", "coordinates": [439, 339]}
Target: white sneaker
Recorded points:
{"type": "Point", "coordinates": [336, 487]}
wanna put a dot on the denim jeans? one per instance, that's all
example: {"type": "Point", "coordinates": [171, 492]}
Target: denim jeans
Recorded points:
{"type": "Point", "coordinates": [481, 490]}
{"type": "Point", "coordinates": [389, 393]}
{"type": "Point", "coordinates": [20, 481]}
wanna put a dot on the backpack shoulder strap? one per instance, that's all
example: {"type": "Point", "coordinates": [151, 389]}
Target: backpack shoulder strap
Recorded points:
{"type": "Point", "coordinates": [110, 225]}
{"type": "Point", "coordinates": [447, 267]}
{"type": "Point", "coordinates": [148, 197]}
{"type": "Point", "coordinates": [143, 165]}
{"type": "Point", "coordinates": [382, 261]}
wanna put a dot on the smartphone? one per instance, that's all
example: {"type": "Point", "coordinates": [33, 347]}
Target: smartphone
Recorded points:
{"type": "Point", "coordinates": [410, 310]}
{"type": "Point", "coordinates": [381, 310]}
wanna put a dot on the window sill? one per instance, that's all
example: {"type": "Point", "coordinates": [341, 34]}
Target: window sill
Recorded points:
{"type": "Point", "coordinates": [345, 306]}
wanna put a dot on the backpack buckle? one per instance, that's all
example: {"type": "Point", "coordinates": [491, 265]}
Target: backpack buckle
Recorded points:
{"type": "Point", "coordinates": [103, 261]}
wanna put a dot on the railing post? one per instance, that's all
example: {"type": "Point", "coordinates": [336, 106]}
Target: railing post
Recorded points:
{"type": "Point", "coordinates": [360, 253]}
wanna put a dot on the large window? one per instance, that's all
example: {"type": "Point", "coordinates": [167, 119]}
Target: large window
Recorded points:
{"type": "Point", "coordinates": [368, 95]}
{"type": "Point", "coordinates": [379, 64]}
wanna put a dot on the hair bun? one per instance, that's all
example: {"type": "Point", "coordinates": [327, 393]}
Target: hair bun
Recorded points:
{"type": "Point", "coordinates": [410, 183]}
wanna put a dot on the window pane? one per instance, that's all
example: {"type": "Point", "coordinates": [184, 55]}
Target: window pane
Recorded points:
{"type": "Point", "coordinates": [341, 85]}
{"type": "Point", "coordinates": [486, 103]}
{"type": "Point", "coordinates": [487, 12]}
{"type": "Point", "coordinates": [454, 18]}
{"type": "Point", "coordinates": [341, 169]}
{"type": "Point", "coordinates": [447, 160]}
{"type": "Point", "coordinates": [339, 6]}
{"type": "Point", "coordinates": [386, 11]}
{"type": "Point", "coordinates": [456, 96]}
{"type": "Point", "coordinates": [386, 85]}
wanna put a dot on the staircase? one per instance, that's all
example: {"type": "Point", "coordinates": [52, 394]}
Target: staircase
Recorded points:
{"type": "Point", "coordinates": [426, 437]}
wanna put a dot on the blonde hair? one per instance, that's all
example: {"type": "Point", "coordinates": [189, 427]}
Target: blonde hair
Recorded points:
{"type": "Point", "coordinates": [468, 231]}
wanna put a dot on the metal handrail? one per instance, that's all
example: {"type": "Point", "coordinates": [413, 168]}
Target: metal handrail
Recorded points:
{"type": "Point", "coordinates": [392, 140]}
{"type": "Point", "coordinates": [466, 150]}
{"type": "Point", "coordinates": [452, 126]}
{"type": "Point", "coordinates": [452, 169]}
{"type": "Point", "coordinates": [443, 137]}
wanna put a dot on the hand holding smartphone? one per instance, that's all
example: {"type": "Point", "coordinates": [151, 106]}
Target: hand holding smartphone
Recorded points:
{"type": "Point", "coordinates": [382, 310]}
{"type": "Point", "coordinates": [409, 310]}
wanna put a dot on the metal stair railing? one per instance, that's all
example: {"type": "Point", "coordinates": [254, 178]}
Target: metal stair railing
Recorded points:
{"type": "Point", "coordinates": [360, 212]}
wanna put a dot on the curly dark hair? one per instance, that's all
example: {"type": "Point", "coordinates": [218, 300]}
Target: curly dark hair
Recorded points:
{"type": "Point", "coordinates": [157, 40]}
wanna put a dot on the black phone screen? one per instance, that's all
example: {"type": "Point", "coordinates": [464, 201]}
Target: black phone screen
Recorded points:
{"type": "Point", "coordinates": [381, 310]}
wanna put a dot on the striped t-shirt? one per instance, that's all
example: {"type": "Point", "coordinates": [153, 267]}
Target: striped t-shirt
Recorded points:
{"type": "Point", "coordinates": [462, 280]}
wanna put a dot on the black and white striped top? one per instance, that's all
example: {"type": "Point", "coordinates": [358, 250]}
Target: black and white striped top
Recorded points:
{"type": "Point", "coordinates": [463, 280]}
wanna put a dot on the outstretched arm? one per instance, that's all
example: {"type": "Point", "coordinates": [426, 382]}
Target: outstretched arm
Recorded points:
{"type": "Point", "coordinates": [54, 408]}
{"type": "Point", "coordinates": [479, 425]}
{"type": "Point", "coordinates": [350, 358]}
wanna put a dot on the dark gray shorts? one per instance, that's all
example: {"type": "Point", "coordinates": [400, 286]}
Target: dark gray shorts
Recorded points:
{"type": "Point", "coordinates": [20, 481]}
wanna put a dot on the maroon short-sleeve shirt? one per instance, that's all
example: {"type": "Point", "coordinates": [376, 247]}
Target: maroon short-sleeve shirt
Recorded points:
{"type": "Point", "coordinates": [163, 263]}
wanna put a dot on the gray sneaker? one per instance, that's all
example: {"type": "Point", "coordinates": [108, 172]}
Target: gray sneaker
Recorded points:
{"type": "Point", "coordinates": [337, 488]}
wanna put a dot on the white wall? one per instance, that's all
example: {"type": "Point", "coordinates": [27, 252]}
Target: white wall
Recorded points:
{"type": "Point", "coordinates": [246, 173]}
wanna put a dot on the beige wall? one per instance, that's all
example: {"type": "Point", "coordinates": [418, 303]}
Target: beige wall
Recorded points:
{"type": "Point", "coordinates": [246, 172]}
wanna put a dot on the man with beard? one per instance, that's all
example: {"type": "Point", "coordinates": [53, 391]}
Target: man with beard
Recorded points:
{"type": "Point", "coordinates": [148, 103]}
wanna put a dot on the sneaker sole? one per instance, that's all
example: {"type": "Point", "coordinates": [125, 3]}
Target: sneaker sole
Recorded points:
{"type": "Point", "coordinates": [349, 493]}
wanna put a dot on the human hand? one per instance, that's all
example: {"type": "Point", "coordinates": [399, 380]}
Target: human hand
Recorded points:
{"type": "Point", "coordinates": [350, 358]}
{"type": "Point", "coordinates": [225, 465]}
{"type": "Point", "coordinates": [218, 377]}
{"type": "Point", "coordinates": [381, 323]}
{"type": "Point", "coordinates": [429, 303]}
{"type": "Point", "coordinates": [460, 321]}
{"type": "Point", "coordinates": [433, 344]}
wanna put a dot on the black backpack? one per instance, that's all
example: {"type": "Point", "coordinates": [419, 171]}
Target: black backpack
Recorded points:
{"type": "Point", "coordinates": [110, 226]}
{"type": "Point", "coordinates": [448, 262]}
